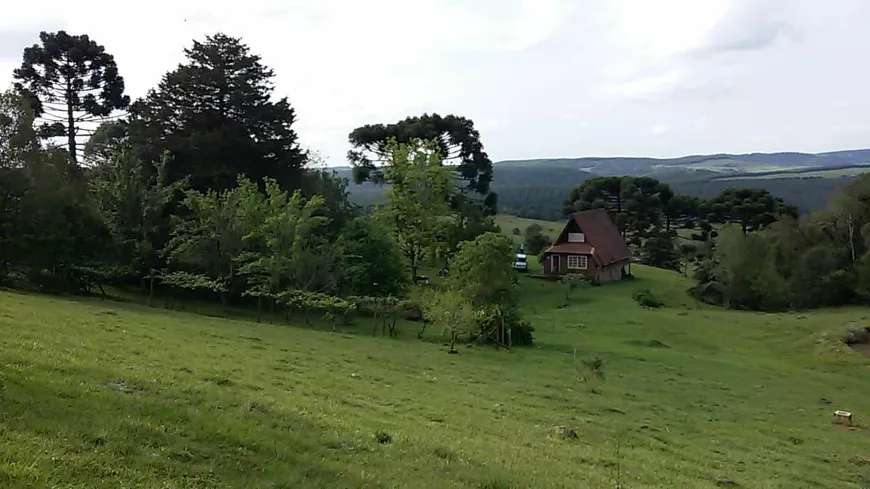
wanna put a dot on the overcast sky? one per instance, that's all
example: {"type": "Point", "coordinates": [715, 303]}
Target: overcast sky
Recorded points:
{"type": "Point", "coordinates": [540, 78]}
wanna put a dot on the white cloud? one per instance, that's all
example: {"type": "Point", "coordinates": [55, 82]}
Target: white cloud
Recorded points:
{"type": "Point", "coordinates": [540, 77]}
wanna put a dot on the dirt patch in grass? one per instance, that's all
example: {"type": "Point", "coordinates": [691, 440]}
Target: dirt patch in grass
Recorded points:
{"type": "Point", "coordinates": [648, 343]}
{"type": "Point", "coordinates": [858, 340]}
{"type": "Point", "coordinates": [862, 348]}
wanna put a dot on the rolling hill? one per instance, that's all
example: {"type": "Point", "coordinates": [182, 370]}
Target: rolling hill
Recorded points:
{"type": "Point", "coordinates": [100, 394]}
{"type": "Point", "coordinates": [536, 188]}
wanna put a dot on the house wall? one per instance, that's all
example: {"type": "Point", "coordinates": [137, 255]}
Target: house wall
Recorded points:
{"type": "Point", "coordinates": [591, 267]}
{"type": "Point", "coordinates": [611, 273]}
{"type": "Point", "coordinates": [605, 274]}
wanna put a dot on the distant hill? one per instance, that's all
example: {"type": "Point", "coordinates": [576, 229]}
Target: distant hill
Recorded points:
{"type": "Point", "coordinates": [536, 188]}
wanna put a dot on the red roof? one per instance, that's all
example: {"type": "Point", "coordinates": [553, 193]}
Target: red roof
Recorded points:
{"type": "Point", "coordinates": [602, 237]}
{"type": "Point", "coordinates": [580, 248]}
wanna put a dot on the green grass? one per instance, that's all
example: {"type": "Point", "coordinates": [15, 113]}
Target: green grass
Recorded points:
{"type": "Point", "coordinates": [106, 395]}
{"type": "Point", "coordinates": [508, 223]}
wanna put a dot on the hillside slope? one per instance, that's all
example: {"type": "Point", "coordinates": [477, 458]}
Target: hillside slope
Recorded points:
{"type": "Point", "coordinates": [104, 395]}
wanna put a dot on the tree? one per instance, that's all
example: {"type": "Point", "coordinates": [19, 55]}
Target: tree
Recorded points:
{"type": "Point", "coordinates": [635, 204]}
{"type": "Point", "coordinates": [455, 137]}
{"type": "Point", "coordinates": [285, 245]}
{"type": "Point", "coordinates": [659, 250]}
{"type": "Point", "coordinates": [469, 221]}
{"type": "Point", "coordinates": [535, 241]}
{"type": "Point", "coordinates": [215, 114]}
{"type": "Point", "coordinates": [482, 270]}
{"type": "Point", "coordinates": [70, 80]}
{"type": "Point", "coordinates": [372, 261]}
{"type": "Point", "coordinates": [50, 231]}
{"type": "Point", "coordinates": [680, 207]}
{"type": "Point", "coordinates": [18, 138]}
{"type": "Point", "coordinates": [107, 139]}
{"type": "Point", "coordinates": [209, 239]}
{"type": "Point", "coordinates": [418, 198]}
{"type": "Point", "coordinates": [688, 252]}
{"type": "Point", "coordinates": [752, 208]}
{"type": "Point", "coordinates": [133, 205]}
{"type": "Point", "coordinates": [453, 311]}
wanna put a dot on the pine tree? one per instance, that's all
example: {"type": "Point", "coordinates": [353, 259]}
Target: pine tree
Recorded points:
{"type": "Point", "coordinates": [215, 114]}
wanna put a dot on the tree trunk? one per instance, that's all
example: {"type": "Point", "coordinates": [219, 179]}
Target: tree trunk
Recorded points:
{"type": "Point", "coordinates": [151, 290]}
{"type": "Point", "coordinates": [71, 128]}
{"type": "Point", "coordinates": [259, 307]}
{"type": "Point", "coordinates": [413, 263]}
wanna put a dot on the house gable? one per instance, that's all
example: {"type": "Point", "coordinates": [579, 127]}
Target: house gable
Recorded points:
{"type": "Point", "coordinates": [601, 237]}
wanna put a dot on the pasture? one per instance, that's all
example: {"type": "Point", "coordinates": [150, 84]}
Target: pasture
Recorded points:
{"type": "Point", "coordinates": [101, 394]}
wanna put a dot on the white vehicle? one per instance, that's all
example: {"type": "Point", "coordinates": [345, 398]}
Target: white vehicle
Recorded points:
{"type": "Point", "coordinates": [520, 264]}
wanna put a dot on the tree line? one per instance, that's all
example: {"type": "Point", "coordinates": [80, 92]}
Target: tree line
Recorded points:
{"type": "Point", "coordinates": [200, 189]}
{"type": "Point", "coordinates": [649, 214]}
{"type": "Point", "coordinates": [820, 259]}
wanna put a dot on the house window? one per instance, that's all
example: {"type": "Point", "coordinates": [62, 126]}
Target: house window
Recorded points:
{"type": "Point", "coordinates": [577, 262]}
{"type": "Point", "coordinates": [576, 238]}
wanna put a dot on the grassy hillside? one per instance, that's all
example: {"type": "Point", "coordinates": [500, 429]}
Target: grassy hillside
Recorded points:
{"type": "Point", "coordinates": [508, 223]}
{"type": "Point", "coordinates": [105, 395]}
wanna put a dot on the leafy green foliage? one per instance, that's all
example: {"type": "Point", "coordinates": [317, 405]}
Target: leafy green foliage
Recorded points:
{"type": "Point", "coordinates": [372, 263]}
{"type": "Point", "coordinates": [455, 137]}
{"type": "Point", "coordinates": [482, 270]}
{"type": "Point", "coordinates": [751, 208]}
{"type": "Point", "coordinates": [209, 239]}
{"type": "Point", "coordinates": [70, 80]}
{"type": "Point", "coordinates": [133, 204]}
{"type": "Point", "coordinates": [535, 240]}
{"type": "Point", "coordinates": [482, 273]}
{"type": "Point", "coordinates": [18, 139]}
{"type": "Point", "coordinates": [793, 263]}
{"type": "Point", "coordinates": [660, 250]}
{"type": "Point", "coordinates": [418, 199]}
{"type": "Point", "coordinates": [646, 298]}
{"type": "Point", "coordinates": [451, 309]}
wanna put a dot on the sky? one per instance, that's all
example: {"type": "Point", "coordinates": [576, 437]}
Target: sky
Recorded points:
{"type": "Point", "coordinates": [540, 78]}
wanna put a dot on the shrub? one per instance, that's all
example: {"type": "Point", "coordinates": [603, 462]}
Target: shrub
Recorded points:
{"type": "Point", "coordinates": [646, 298]}
{"type": "Point", "coordinates": [521, 332]}
{"type": "Point", "coordinates": [516, 232]}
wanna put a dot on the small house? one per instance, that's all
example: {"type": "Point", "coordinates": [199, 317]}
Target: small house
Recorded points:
{"type": "Point", "coordinates": [589, 244]}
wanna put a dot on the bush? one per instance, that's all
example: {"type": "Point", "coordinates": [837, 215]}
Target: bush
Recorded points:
{"type": "Point", "coordinates": [521, 332]}
{"type": "Point", "coordinates": [536, 243]}
{"type": "Point", "coordinates": [516, 232]}
{"type": "Point", "coordinates": [646, 298]}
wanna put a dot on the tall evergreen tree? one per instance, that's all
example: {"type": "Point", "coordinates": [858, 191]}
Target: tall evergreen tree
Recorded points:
{"type": "Point", "coordinates": [216, 116]}
{"type": "Point", "coordinates": [457, 140]}
{"type": "Point", "coordinates": [70, 81]}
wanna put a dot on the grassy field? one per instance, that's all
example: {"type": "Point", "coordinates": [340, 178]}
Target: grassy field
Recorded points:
{"type": "Point", "coordinates": [105, 395]}
{"type": "Point", "coordinates": [822, 173]}
{"type": "Point", "coordinates": [508, 223]}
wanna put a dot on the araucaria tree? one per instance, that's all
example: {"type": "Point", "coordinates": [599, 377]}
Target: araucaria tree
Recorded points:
{"type": "Point", "coordinates": [456, 138]}
{"type": "Point", "coordinates": [419, 198]}
{"type": "Point", "coordinates": [70, 81]}
{"type": "Point", "coordinates": [215, 114]}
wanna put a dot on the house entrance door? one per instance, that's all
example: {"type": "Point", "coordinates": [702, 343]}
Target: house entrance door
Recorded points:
{"type": "Point", "coordinates": [555, 264]}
